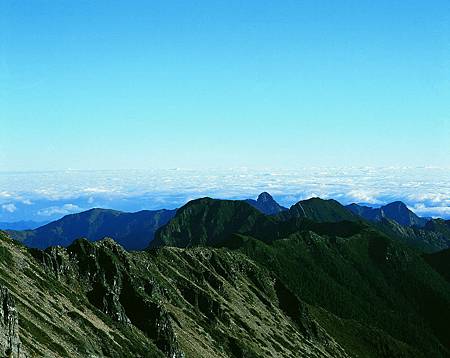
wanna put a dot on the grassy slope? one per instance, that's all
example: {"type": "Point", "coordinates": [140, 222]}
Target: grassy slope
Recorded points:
{"type": "Point", "coordinates": [55, 320]}
{"type": "Point", "coordinates": [367, 280]}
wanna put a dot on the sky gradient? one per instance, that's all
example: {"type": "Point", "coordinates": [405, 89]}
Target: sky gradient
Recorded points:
{"type": "Point", "coordinates": [200, 84]}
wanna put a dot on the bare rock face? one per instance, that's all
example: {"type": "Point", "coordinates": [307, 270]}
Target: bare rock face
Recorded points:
{"type": "Point", "coordinates": [9, 325]}
{"type": "Point", "coordinates": [102, 271]}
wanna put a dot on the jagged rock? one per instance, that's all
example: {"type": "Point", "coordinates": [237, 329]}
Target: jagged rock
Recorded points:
{"type": "Point", "coordinates": [101, 270]}
{"type": "Point", "coordinates": [10, 344]}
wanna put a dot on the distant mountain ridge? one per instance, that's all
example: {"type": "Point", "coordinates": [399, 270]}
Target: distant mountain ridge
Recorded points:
{"type": "Point", "coordinates": [21, 225]}
{"type": "Point", "coordinates": [134, 231]}
{"type": "Point", "coordinates": [397, 220]}
{"type": "Point", "coordinates": [396, 211]}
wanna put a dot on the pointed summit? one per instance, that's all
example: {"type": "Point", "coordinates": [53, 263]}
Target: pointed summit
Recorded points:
{"type": "Point", "coordinates": [266, 204]}
{"type": "Point", "coordinates": [265, 197]}
{"type": "Point", "coordinates": [398, 206]}
{"type": "Point", "coordinates": [397, 211]}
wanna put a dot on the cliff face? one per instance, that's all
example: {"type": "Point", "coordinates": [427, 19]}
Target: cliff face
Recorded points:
{"type": "Point", "coordinates": [10, 344]}
{"type": "Point", "coordinates": [54, 318]}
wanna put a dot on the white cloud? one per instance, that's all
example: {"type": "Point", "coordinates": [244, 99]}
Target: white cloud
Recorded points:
{"type": "Point", "coordinates": [96, 190]}
{"type": "Point", "coordinates": [60, 210]}
{"type": "Point", "coordinates": [362, 196]}
{"type": "Point", "coordinates": [169, 188]}
{"type": "Point", "coordinates": [435, 211]}
{"type": "Point", "coordinates": [4, 194]}
{"type": "Point", "coordinates": [10, 208]}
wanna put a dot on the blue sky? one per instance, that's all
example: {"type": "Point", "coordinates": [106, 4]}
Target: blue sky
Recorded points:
{"type": "Point", "coordinates": [200, 84]}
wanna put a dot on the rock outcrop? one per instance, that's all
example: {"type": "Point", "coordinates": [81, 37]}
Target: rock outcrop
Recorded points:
{"type": "Point", "coordinates": [10, 344]}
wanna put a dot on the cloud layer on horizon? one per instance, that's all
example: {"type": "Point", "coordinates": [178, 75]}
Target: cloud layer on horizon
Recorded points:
{"type": "Point", "coordinates": [42, 196]}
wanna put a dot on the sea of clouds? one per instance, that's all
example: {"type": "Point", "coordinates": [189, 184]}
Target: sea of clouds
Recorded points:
{"type": "Point", "coordinates": [46, 196]}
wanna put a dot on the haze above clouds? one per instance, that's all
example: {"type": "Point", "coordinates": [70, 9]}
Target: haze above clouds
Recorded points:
{"type": "Point", "coordinates": [266, 84]}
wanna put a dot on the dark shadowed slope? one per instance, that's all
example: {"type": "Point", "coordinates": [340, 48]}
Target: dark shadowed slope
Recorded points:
{"type": "Point", "coordinates": [440, 261]}
{"type": "Point", "coordinates": [439, 225]}
{"type": "Point", "coordinates": [132, 230]}
{"type": "Point", "coordinates": [396, 220]}
{"type": "Point", "coordinates": [420, 238]}
{"type": "Point", "coordinates": [378, 296]}
{"type": "Point", "coordinates": [266, 204]}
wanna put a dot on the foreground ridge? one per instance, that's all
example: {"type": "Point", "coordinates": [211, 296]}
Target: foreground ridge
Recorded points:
{"type": "Point", "coordinates": [222, 279]}
{"type": "Point", "coordinates": [166, 302]}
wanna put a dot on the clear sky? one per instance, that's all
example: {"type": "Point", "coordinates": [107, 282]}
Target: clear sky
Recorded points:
{"type": "Point", "coordinates": [198, 84]}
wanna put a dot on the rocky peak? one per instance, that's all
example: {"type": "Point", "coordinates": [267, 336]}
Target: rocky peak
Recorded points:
{"type": "Point", "coordinates": [396, 211]}
{"type": "Point", "coordinates": [265, 197]}
{"type": "Point", "coordinates": [399, 212]}
{"type": "Point", "coordinates": [266, 204]}
{"type": "Point", "coordinates": [399, 206]}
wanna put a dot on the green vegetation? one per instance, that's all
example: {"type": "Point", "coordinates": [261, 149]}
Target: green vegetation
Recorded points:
{"type": "Point", "coordinates": [368, 279]}
{"type": "Point", "coordinates": [5, 256]}
{"type": "Point", "coordinates": [315, 281]}
{"type": "Point", "coordinates": [320, 210]}
{"type": "Point", "coordinates": [349, 268]}
{"type": "Point", "coordinates": [440, 261]}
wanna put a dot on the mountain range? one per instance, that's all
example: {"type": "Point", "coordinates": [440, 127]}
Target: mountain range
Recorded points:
{"type": "Point", "coordinates": [132, 230]}
{"type": "Point", "coordinates": [223, 279]}
{"type": "Point", "coordinates": [135, 231]}
{"type": "Point", "coordinates": [21, 225]}
{"type": "Point", "coordinates": [396, 211]}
